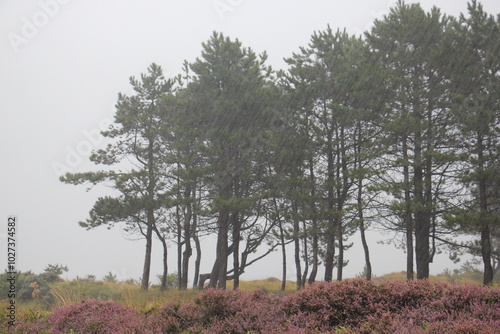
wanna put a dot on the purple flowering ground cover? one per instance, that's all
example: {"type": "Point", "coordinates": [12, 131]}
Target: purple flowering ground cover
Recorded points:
{"type": "Point", "coordinates": [351, 306]}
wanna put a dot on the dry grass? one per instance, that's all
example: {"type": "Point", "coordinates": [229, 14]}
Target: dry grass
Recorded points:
{"type": "Point", "coordinates": [130, 295]}
{"type": "Point", "coordinates": [144, 301]}
{"type": "Point", "coordinates": [270, 284]}
{"type": "Point", "coordinates": [473, 278]}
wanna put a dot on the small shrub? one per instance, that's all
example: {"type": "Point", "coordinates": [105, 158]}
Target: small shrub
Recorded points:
{"type": "Point", "coordinates": [52, 273]}
{"type": "Point", "coordinates": [165, 320]}
{"type": "Point", "coordinates": [251, 313]}
{"type": "Point", "coordinates": [464, 326]}
{"type": "Point", "coordinates": [326, 305]}
{"type": "Point", "coordinates": [172, 318]}
{"type": "Point", "coordinates": [172, 280]}
{"type": "Point", "coordinates": [32, 322]}
{"type": "Point", "coordinates": [219, 311]}
{"type": "Point", "coordinates": [110, 277]}
{"type": "Point", "coordinates": [94, 316]}
{"type": "Point", "coordinates": [399, 295]}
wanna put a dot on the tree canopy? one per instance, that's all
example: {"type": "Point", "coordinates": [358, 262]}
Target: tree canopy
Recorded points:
{"type": "Point", "coordinates": [395, 130]}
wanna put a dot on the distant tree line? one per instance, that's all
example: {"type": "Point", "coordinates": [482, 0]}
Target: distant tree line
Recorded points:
{"type": "Point", "coordinates": [395, 130]}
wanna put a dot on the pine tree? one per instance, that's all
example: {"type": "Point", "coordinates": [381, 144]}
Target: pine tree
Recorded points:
{"type": "Point", "coordinates": [136, 136]}
{"type": "Point", "coordinates": [476, 88]}
{"type": "Point", "coordinates": [230, 95]}
{"type": "Point", "coordinates": [409, 45]}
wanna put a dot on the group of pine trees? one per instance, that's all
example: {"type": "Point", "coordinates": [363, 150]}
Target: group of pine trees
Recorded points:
{"type": "Point", "coordinates": [397, 129]}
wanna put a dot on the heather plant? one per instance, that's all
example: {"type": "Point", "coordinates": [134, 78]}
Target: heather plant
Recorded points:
{"type": "Point", "coordinates": [460, 305]}
{"type": "Point", "coordinates": [464, 297]}
{"type": "Point", "coordinates": [216, 304]}
{"type": "Point", "coordinates": [399, 295]}
{"type": "Point", "coordinates": [250, 313]}
{"type": "Point", "coordinates": [390, 307]}
{"type": "Point", "coordinates": [464, 326]}
{"type": "Point", "coordinates": [165, 320]}
{"type": "Point", "coordinates": [326, 305]}
{"type": "Point", "coordinates": [94, 316]}
{"type": "Point", "coordinates": [174, 317]}
{"type": "Point", "coordinates": [351, 306]}
{"type": "Point", "coordinates": [219, 311]}
{"type": "Point", "coordinates": [31, 322]}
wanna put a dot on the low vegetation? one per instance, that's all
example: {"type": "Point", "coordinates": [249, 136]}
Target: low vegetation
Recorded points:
{"type": "Point", "coordinates": [388, 304]}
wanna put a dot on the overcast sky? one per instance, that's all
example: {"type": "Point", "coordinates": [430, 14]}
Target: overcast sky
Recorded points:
{"type": "Point", "coordinates": [63, 63]}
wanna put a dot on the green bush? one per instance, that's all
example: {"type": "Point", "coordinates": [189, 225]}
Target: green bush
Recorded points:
{"type": "Point", "coordinates": [30, 286]}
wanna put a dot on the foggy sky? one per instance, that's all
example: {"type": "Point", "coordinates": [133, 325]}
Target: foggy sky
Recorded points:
{"type": "Point", "coordinates": [63, 63]}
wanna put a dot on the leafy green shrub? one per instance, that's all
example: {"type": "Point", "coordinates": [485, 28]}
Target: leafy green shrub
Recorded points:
{"type": "Point", "coordinates": [26, 289]}
{"type": "Point", "coordinates": [31, 286]}
{"type": "Point", "coordinates": [172, 280]}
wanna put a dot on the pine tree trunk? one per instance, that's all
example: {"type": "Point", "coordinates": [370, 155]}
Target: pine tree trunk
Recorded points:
{"type": "Point", "coordinates": [149, 247]}
{"type": "Point", "coordinates": [150, 220]}
{"type": "Point", "coordinates": [197, 261]}
{"type": "Point", "coordinates": [422, 224]}
{"type": "Point", "coordinates": [236, 250]}
{"type": "Point", "coordinates": [179, 247]}
{"type": "Point", "coordinates": [428, 200]}
{"type": "Point", "coordinates": [362, 229]}
{"type": "Point", "coordinates": [485, 228]}
{"type": "Point", "coordinates": [315, 246]}
{"type": "Point", "coordinates": [408, 221]}
{"type": "Point", "coordinates": [218, 277]}
{"type": "Point", "coordinates": [164, 276]}
{"type": "Point", "coordinates": [283, 245]}
{"type": "Point", "coordinates": [330, 229]}
{"type": "Point", "coordinates": [306, 255]}
{"type": "Point", "coordinates": [185, 260]}
{"type": "Point", "coordinates": [341, 170]}
{"type": "Point", "coordinates": [340, 264]}
{"type": "Point", "coordinates": [188, 251]}
{"type": "Point", "coordinates": [283, 256]}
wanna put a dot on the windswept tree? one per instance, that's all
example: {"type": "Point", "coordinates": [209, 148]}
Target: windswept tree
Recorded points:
{"type": "Point", "coordinates": [409, 46]}
{"type": "Point", "coordinates": [231, 99]}
{"type": "Point", "coordinates": [137, 152]}
{"type": "Point", "coordinates": [476, 88]}
{"type": "Point", "coordinates": [325, 79]}
{"type": "Point", "coordinates": [183, 162]}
